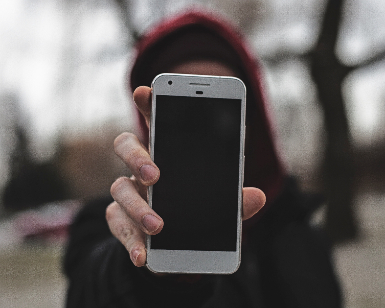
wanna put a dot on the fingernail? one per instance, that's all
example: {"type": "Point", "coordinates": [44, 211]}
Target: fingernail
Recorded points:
{"type": "Point", "coordinates": [135, 255]}
{"type": "Point", "coordinates": [148, 173]}
{"type": "Point", "coordinates": [151, 223]}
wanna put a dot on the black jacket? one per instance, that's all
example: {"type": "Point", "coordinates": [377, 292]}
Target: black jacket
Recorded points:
{"type": "Point", "coordinates": [285, 263]}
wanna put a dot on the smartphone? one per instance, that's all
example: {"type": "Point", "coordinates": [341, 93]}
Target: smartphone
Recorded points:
{"type": "Point", "coordinates": [197, 133]}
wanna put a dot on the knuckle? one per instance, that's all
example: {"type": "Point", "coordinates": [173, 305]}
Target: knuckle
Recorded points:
{"type": "Point", "coordinates": [130, 201]}
{"type": "Point", "coordinates": [133, 206]}
{"type": "Point", "coordinates": [125, 137]}
{"type": "Point", "coordinates": [126, 233]}
{"type": "Point", "coordinates": [110, 211]}
{"type": "Point", "coordinates": [118, 184]}
{"type": "Point", "coordinates": [134, 154]}
{"type": "Point", "coordinates": [137, 157]}
{"type": "Point", "coordinates": [135, 239]}
{"type": "Point", "coordinates": [128, 147]}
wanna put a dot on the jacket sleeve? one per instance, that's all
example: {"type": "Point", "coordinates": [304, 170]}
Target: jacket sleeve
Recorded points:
{"type": "Point", "coordinates": [100, 272]}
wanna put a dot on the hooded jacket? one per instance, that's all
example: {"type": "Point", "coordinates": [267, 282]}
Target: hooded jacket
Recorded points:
{"type": "Point", "coordinates": [285, 263]}
{"type": "Point", "coordinates": [220, 42]}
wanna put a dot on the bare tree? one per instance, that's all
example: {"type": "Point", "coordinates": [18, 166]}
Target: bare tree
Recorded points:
{"type": "Point", "coordinates": [339, 168]}
{"type": "Point", "coordinates": [329, 73]}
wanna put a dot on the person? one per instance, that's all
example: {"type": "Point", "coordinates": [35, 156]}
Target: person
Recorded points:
{"type": "Point", "coordinates": [285, 262]}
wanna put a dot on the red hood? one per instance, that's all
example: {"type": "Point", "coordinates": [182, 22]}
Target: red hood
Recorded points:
{"type": "Point", "coordinates": [263, 168]}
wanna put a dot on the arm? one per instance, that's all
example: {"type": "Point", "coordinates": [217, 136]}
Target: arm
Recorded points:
{"type": "Point", "coordinates": [101, 274]}
{"type": "Point", "coordinates": [106, 253]}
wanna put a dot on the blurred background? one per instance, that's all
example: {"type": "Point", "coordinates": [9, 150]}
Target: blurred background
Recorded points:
{"type": "Point", "coordinates": [64, 98]}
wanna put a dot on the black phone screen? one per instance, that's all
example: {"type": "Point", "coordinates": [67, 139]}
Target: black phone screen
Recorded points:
{"type": "Point", "coordinates": [197, 149]}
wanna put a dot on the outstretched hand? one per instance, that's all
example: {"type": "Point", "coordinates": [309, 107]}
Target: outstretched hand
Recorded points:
{"type": "Point", "coordinates": [129, 216]}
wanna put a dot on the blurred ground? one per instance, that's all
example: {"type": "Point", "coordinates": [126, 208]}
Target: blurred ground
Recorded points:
{"type": "Point", "coordinates": [361, 265]}
{"type": "Point", "coordinates": [30, 275]}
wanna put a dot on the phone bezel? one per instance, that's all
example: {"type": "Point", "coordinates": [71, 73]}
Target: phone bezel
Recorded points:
{"type": "Point", "coordinates": [190, 261]}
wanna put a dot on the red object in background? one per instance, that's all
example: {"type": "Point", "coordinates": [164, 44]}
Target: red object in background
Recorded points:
{"type": "Point", "coordinates": [47, 224]}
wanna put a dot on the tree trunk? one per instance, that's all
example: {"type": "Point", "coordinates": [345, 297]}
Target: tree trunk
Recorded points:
{"type": "Point", "coordinates": [328, 74]}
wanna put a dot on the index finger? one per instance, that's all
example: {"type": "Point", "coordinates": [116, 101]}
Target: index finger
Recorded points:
{"type": "Point", "coordinates": [142, 99]}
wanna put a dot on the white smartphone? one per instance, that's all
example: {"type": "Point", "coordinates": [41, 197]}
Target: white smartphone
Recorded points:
{"type": "Point", "coordinates": [197, 133]}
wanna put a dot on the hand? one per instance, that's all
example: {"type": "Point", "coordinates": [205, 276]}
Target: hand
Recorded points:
{"type": "Point", "coordinates": [129, 216]}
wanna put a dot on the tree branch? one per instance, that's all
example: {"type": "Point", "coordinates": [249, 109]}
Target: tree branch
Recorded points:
{"type": "Point", "coordinates": [330, 25]}
{"type": "Point", "coordinates": [124, 7]}
{"type": "Point", "coordinates": [284, 56]}
{"type": "Point", "coordinates": [379, 56]}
